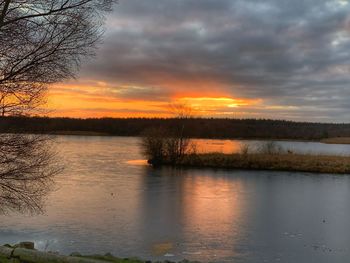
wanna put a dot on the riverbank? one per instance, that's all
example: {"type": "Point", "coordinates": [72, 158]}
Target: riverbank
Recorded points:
{"type": "Point", "coordinates": [271, 162]}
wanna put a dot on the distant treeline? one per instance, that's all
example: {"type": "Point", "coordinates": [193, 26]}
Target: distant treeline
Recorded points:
{"type": "Point", "coordinates": [194, 127]}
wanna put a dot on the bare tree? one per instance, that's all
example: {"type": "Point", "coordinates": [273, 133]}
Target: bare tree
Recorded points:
{"type": "Point", "coordinates": [161, 145]}
{"type": "Point", "coordinates": [181, 110]}
{"type": "Point", "coordinates": [41, 42]}
{"type": "Point", "coordinates": [270, 147]}
{"type": "Point", "coordinates": [179, 141]}
{"type": "Point", "coordinates": [27, 165]}
{"type": "Point", "coordinates": [153, 145]}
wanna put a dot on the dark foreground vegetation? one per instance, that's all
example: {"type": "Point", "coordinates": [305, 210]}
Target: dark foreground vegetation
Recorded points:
{"type": "Point", "coordinates": [195, 127]}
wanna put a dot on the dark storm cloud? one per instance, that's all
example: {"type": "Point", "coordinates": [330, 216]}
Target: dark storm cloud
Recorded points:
{"type": "Point", "coordinates": [287, 52]}
{"type": "Point", "coordinates": [139, 93]}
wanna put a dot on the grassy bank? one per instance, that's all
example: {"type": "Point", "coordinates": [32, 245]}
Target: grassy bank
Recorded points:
{"type": "Point", "coordinates": [337, 140]}
{"type": "Point", "coordinates": [273, 162]}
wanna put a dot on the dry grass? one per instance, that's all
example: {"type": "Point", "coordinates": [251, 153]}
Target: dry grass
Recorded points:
{"type": "Point", "coordinates": [337, 140]}
{"type": "Point", "coordinates": [278, 162]}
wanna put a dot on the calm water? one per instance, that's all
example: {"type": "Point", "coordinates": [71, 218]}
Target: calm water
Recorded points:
{"type": "Point", "coordinates": [104, 202]}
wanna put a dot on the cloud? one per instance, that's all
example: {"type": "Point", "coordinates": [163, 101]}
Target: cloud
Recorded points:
{"type": "Point", "coordinates": [291, 53]}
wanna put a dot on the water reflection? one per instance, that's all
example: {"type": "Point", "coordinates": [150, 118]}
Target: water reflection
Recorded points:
{"type": "Point", "coordinates": [222, 146]}
{"type": "Point", "coordinates": [104, 203]}
{"type": "Point", "coordinates": [214, 206]}
{"type": "Point", "coordinates": [183, 212]}
{"type": "Point", "coordinates": [234, 146]}
{"type": "Point", "coordinates": [194, 214]}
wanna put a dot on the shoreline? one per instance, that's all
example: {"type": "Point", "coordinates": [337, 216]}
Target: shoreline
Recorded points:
{"type": "Point", "coordinates": [25, 252]}
{"type": "Point", "coordinates": [321, 164]}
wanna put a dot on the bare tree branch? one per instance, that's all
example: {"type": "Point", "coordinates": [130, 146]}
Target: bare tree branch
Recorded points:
{"type": "Point", "coordinates": [41, 42]}
{"type": "Point", "coordinates": [27, 165]}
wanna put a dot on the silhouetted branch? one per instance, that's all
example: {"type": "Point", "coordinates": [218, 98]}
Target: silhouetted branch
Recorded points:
{"type": "Point", "coordinates": [170, 145]}
{"type": "Point", "coordinates": [27, 165]}
{"type": "Point", "coordinates": [43, 42]}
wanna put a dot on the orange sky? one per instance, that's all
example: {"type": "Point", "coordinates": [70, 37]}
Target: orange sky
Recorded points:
{"type": "Point", "coordinates": [95, 99]}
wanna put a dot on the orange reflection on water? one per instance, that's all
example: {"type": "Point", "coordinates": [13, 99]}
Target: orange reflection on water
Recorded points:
{"type": "Point", "coordinates": [213, 212]}
{"type": "Point", "coordinates": [217, 146]}
{"type": "Point", "coordinates": [138, 162]}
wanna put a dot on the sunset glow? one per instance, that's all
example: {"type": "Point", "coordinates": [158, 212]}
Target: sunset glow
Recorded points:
{"type": "Point", "coordinates": [97, 100]}
{"type": "Point", "coordinates": [212, 58]}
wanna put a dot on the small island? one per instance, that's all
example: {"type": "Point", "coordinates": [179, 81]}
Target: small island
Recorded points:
{"type": "Point", "coordinates": [173, 148]}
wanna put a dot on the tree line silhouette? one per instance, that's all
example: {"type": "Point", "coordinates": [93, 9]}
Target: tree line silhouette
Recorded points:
{"type": "Point", "coordinates": [195, 127]}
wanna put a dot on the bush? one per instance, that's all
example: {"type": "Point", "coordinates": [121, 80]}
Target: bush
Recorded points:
{"type": "Point", "coordinates": [244, 149]}
{"type": "Point", "coordinates": [161, 145]}
{"type": "Point", "coordinates": [270, 147]}
{"type": "Point", "coordinates": [153, 145]}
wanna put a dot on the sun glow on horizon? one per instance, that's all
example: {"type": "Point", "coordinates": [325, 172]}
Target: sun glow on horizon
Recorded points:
{"type": "Point", "coordinates": [100, 99]}
{"type": "Point", "coordinates": [216, 105]}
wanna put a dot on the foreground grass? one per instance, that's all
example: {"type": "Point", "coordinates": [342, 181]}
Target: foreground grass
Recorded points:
{"type": "Point", "coordinates": [274, 162]}
{"type": "Point", "coordinates": [5, 260]}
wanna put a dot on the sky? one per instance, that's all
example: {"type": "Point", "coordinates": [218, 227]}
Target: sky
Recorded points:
{"type": "Point", "coordinates": [277, 59]}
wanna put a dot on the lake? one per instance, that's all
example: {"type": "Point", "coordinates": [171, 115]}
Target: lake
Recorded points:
{"type": "Point", "coordinates": [108, 200]}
